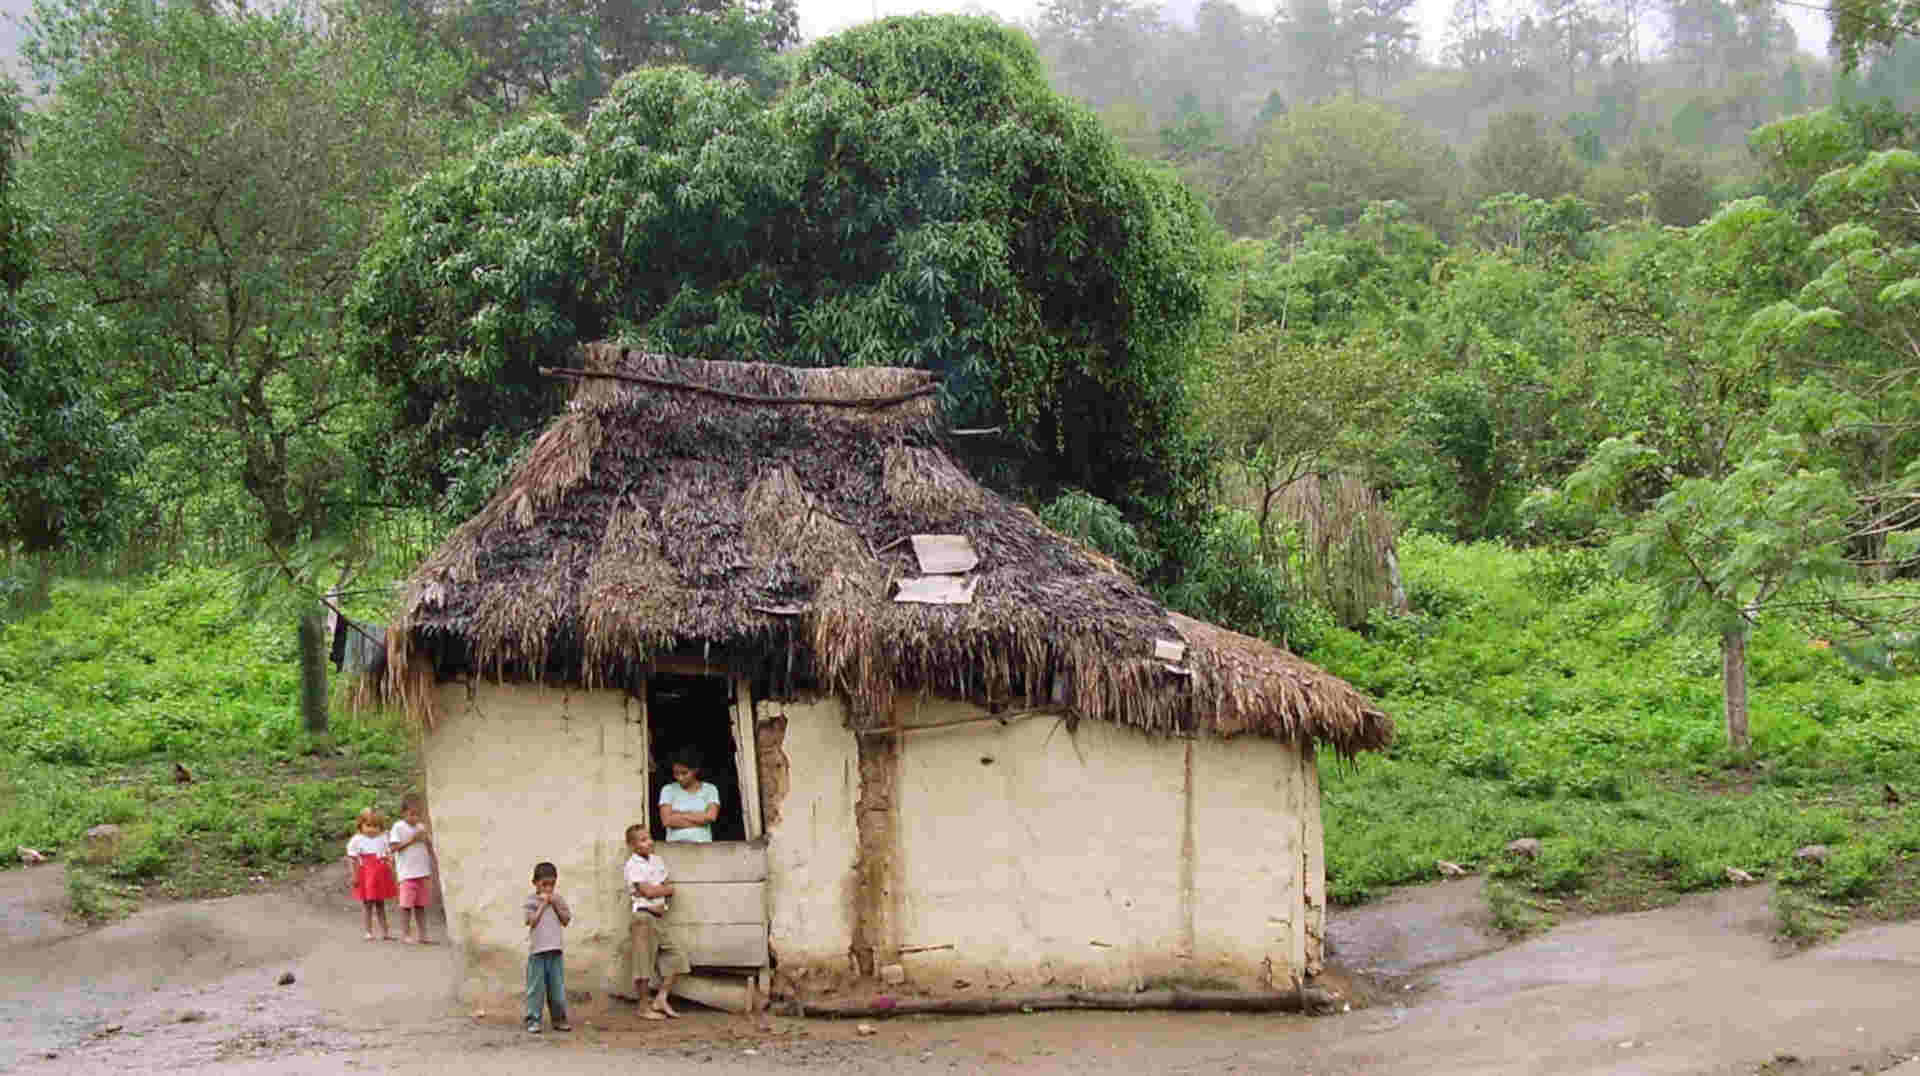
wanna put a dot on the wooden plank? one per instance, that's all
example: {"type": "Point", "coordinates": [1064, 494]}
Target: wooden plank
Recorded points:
{"type": "Point", "coordinates": [727, 993]}
{"type": "Point", "coordinates": [746, 755]}
{"type": "Point", "coordinates": [944, 554]}
{"type": "Point", "coordinates": [720, 861]}
{"type": "Point", "coordinates": [724, 945]}
{"type": "Point", "coordinates": [938, 590]}
{"type": "Point", "coordinates": [719, 902]}
{"type": "Point", "coordinates": [1169, 650]}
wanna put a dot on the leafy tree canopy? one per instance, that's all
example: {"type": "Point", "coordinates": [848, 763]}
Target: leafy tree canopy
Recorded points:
{"type": "Point", "coordinates": [1331, 161]}
{"type": "Point", "coordinates": [918, 197]}
{"type": "Point", "coordinates": [208, 181]}
{"type": "Point", "coordinates": [63, 455]}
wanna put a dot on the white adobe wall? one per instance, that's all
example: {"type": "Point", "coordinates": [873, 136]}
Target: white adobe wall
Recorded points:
{"type": "Point", "coordinates": [1064, 858]}
{"type": "Point", "coordinates": [517, 774]}
{"type": "Point", "coordinates": [811, 848]}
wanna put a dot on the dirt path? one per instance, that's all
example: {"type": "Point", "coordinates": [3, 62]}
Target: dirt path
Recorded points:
{"type": "Point", "coordinates": [1695, 988]}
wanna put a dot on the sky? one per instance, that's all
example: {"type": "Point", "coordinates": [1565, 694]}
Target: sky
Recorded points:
{"type": "Point", "coordinates": [821, 17]}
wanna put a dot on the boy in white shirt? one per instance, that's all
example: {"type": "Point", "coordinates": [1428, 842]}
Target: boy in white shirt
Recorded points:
{"type": "Point", "coordinates": [655, 956]}
{"type": "Point", "coordinates": [413, 859]}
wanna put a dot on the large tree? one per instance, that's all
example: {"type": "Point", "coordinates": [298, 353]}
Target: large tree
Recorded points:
{"type": "Point", "coordinates": [209, 180]}
{"type": "Point", "coordinates": [917, 197]}
{"type": "Point", "coordinates": [567, 52]}
{"type": "Point", "coordinates": [63, 453]}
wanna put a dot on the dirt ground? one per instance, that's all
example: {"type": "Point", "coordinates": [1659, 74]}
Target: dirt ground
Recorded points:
{"type": "Point", "coordinates": [1694, 988]}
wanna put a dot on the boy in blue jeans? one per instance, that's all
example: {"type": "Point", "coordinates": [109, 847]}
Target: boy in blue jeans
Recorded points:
{"type": "Point", "coordinates": [546, 914]}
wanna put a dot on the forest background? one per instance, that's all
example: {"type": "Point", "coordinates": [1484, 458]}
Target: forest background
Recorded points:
{"type": "Point", "coordinates": [1545, 384]}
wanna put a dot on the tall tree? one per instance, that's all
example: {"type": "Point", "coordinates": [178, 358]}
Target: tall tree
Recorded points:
{"type": "Point", "coordinates": [209, 180]}
{"type": "Point", "coordinates": [1863, 27]}
{"type": "Point", "coordinates": [1319, 45]}
{"type": "Point", "coordinates": [568, 52]}
{"type": "Point", "coordinates": [1384, 36]}
{"type": "Point", "coordinates": [1098, 47]}
{"type": "Point", "coordinates": [63, 453]}
{"type": "Point", "coordinates": [919, 197]}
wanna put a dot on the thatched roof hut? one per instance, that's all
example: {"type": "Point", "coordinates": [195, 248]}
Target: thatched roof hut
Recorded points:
{"type": "Point", "coordinates": [760, 515]}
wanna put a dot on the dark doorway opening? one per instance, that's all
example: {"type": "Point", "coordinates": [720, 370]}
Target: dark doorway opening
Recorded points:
{"type": "Point", "coordinates": [697, 712]}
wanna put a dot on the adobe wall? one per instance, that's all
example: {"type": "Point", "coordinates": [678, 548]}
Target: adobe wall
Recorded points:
{"type": "Point", "coordinates": [517, 774]}
{"type": "Point", "coordinates": [1021, 853]}
{"type": "Point", "coordinates": [1029, 854]}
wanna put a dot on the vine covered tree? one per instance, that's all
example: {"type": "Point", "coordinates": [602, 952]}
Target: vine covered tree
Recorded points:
{"type": "Point", "coordinates": [919, 196]}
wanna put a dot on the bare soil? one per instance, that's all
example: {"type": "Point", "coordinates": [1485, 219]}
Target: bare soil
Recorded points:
{"type": "Point", "coordinates": [1697, 987]}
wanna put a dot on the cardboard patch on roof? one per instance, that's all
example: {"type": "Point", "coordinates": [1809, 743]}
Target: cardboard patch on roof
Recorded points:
{"type": "Point", "coordinates": [937, 590]}
{"type": "Point", "coordinates": [1169, 650]}
{"type": "Point", "coordinates": [944, 554]}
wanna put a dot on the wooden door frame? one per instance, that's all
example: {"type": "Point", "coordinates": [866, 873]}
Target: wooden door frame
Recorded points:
{"type": "Point", "coordinates": [746, 750]}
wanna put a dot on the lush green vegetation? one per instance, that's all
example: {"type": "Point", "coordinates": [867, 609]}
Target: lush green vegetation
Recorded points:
{"type": "Point", "coordinates": [111, 684]}
{"type": "Point", "coordinates": [1640, 342]}
{"type": "Point", "coordinates": [1536, 696]}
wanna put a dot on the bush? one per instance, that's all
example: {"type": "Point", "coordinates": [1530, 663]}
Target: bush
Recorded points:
{"type": "Point", "coordinates": [1231, 584]}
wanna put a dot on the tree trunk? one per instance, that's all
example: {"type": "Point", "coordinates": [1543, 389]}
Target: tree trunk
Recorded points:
{"type": "Point", "coordinates": [1733, 680]}
{"type": "Point", "coordinates": [313, 674]}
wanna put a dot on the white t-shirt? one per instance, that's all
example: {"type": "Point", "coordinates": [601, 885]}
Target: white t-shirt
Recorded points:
{"type": "Point", "coordinates": [416, 859]}
{"type": "Point", "coordinates": [690, 803]}
{"type": "Point", "coordinates": [362, 845]}
{"type": "Point", "coordinates": [650, 870]}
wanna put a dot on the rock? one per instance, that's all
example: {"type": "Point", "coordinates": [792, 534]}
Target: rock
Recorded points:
{"type": "Point", "coordinates": [192, 1016]}
{"type": "Point", "coordinates": [30, 856]}
{"type": "Point", "coordinates": [1738, 876]}
{"type": "Point", "coordinates": [961, 984]}
{"type": "Point", "coordinates": [181, 776]}
{"type": "Point", "coordinates": [286, 978]}
{"type": "Point", "coordinates": [1450, 870]}
{"type": "Point", "coordinates": [866, 1029]}
{"type": "Point", "coordinates": [893, 974]}
{"type": "Point", "coordinates": [1812, 853]}
{"type": "Point", "coordinates": [1528, 847]}
{"type": "Point", "coordinates": [103, 839]}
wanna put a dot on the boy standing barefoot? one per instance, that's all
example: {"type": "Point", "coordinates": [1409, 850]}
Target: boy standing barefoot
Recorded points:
{"type": "Point", "coordinates": [412, 845]}
{"type": "Point", "coordinates": [547, 914]}
{"type": "Point", "coordinates": [655, 957]}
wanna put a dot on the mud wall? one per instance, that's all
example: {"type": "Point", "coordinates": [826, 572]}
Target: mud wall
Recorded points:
{"type": "Point", "coordinates": [1030, 853]}
{"type": "Point", "coordinates": [518, 774]}
{"type": "Point", "coordinates": [1022, 852]}
{"type": "Point", "coordinates": [811, 846]}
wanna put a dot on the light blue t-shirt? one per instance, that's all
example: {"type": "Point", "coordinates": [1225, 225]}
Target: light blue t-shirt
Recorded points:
{"type": "Point", "coordinates": [690, 803]}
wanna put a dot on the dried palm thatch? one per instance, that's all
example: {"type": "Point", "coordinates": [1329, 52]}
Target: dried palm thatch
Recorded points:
{"type": "Point", "coordinates": [679, 508]}
{"type": "Point", "coordinates": [1347, 552]}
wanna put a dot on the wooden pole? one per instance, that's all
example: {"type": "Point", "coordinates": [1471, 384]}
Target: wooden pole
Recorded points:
{"type": "Point", "coordinates": [1306, 999]}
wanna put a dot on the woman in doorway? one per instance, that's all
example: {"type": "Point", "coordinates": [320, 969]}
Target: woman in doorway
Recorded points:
{"type": "Point", "coordinates": [689, 805]}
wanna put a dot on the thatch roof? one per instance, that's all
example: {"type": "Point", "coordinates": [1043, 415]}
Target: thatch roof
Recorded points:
{"type": "Point", "coordinates": [651, 520]}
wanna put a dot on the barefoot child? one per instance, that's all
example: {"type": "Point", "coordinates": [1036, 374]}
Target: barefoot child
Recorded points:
{"type": "Point", "coordinates": [370, 871]}
{"type": "Point", "coordinates": [655, 957]}
{"type": "Point", "coordinates": [413, 858]}
{"type": "Point", "coordinates": [546, 913]}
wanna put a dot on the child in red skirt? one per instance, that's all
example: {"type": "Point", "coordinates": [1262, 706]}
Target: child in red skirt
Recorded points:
{"type": "Point", "coordinates": [370, 871]}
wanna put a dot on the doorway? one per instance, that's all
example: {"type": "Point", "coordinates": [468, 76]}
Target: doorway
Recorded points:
{"type": "Point", "coordinates": [694, 711]}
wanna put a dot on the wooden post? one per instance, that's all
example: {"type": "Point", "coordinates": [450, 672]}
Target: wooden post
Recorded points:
{"type": "Point", "coordinates": [875, 934]}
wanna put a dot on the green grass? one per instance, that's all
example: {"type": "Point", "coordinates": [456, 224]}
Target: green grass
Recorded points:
{"type": "Point", "coordinates": [1536, 697]}
{"type": "Point", "coordinates": [102, 691]}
